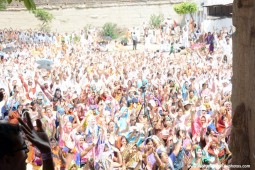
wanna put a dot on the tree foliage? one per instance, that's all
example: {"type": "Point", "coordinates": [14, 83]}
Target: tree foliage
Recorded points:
{"type": "Point", "coordinates": [185, 8]}
{"type": "Point", "coordinates": [29, 4]}
{"type": "Point", "coordinates": [3, 4]}
{"type": "Point", "coordinates": [45, 17]}
{"type": "Point", "coordinates": [110, 29]}
{"type": "Point", "coordinates": [156, 20]}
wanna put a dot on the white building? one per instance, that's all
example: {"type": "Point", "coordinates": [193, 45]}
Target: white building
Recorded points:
{"type": "Point", "coordinates": [218, 15]}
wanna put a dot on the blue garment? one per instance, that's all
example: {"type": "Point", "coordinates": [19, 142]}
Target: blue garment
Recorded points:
{"type": "Point", "coordinates": [172, 157]}
{"type": "Point", "coordinates": [60, 110]}
{"type": "Point", "coordinates": [178, 163]}
{"type": "Point", "coordinates": [78, 159]}
{"type": "Point", "coordinates": [212, 127]}
{"type": "Point", "coordinates": [4, 112]}
{"type": "Point", "coordinates": [71, 118]}
{"type": "Point", "coordinates": [140, 140]}
{"type": "Point", "coordinates": [108, 108]}
{"type": "Point", "coordinates": [184, 92]}
{"type": "Point", "coordinates": [210, 113]}
{"type": "Point", "coordinates": [123, 118]}
{"type": "Point", "coordinates": [143, 82]}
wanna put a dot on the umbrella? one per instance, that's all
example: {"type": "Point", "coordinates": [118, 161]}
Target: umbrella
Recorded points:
{"type": "Point", "coordinates": [44, 64]}
{"type": "Point", "coordinates": [8, 49]}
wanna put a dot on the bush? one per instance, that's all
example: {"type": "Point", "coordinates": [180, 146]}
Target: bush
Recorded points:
{"type": "Point", "coordinates": [111, 30]}
{"type": "Point", "coordinates": [75, 38]}
{"type": "Point", "coordinates": [45, 17]}
{"type": "Point", "coordinates": [185, 8]}
{"type": "Point", "coordinates": [156, 20]}
{"type": "Point", "coordinates": [124, 41]}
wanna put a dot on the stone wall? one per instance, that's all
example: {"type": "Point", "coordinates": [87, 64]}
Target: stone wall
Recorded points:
{"type": "Point", "coordinates": [74, 19]}
{"type": "Point", "coordinates": [243, 131]}
{"type": "Point", "coordinates": [89, 3]}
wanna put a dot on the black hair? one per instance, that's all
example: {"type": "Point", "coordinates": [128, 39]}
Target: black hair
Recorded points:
{"type": "Point", "coordinates": [55, 98]}
{"type": "Point", "coordinates": [178, 132]}
{"type": "Point", "coordinates": [160, 155]}
{"type": "Point", "coordinates": [149, 140]}
{"type": "Point", "coordinates": [1, 96]}
{"type": "Point", "coordinates": [24, 111]}
{"type": "Point", "coordinates": [15, 86]}
{"type": "Point", "coordinates": [209, 129]}
{"type": "Point", "coordinates": [7, 131]}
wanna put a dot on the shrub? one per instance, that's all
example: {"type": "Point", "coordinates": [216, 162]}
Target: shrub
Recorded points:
{"type": "Point", "coordinates": [156, 20]}
{"type": "Point", "coordinates": [45, 17]}
{"type": "Point", "coordinates": [111, 30]}
{"type": "Point", "coordinates": [185, 8]}
{"type": "Point", "coordinates": [124, 41]}
{"type": "Point", "coordinates": [75, 38]}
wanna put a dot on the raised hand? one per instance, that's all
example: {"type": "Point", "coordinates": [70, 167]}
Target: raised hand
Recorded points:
{"type": "Point", "coordinates": [216, 152]}
{"type": "Point", "coordinates": [95, 140]}
{"type": "Point", "coordinates": [37, 137]}
{"type": "Point", "coordinates": [186, 160]}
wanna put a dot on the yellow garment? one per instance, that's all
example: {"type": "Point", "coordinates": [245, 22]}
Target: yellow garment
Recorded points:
{"type": "Point", "coordinates": [31, 154]}
{"type": "Point", "coordinates": [133, 158]}
{"type": "Point", "coordinates": [207, 105]}
{"type": "Point", "coordinates": [89, 114]}
{"type": "Point", "coordinates": [193, 100]}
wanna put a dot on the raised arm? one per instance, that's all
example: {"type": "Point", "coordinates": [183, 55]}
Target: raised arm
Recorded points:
{"type": "Point", "coordinates": [39, 139]}
{"type": "Point", "coordinates": [23, 82]}
{"type": "Point", "coordinates": [86, 151]}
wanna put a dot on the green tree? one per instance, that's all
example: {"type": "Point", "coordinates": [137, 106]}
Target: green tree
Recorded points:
{"type": "Point", "coordinates": [156, 20]}
{"type": "Point", "coordinates": [29, 4]}
{"type": "Point", "coordinates": [111, 30]}
{"type": "Point", "coordinates": [3, 4]}
{"type": "Point", "coordinates": [45, 17]}
{"type": "Point", "coordinates": [186, 8]}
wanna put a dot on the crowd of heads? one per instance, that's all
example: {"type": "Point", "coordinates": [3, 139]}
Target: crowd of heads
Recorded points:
{"type": "Point", "coordinates": [108, 107]}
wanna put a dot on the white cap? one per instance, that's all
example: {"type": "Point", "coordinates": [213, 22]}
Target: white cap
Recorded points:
{"type": "Point", "coordinates": [186, 103]}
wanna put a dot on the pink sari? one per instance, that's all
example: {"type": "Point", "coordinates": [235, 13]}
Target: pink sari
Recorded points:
{"type": "Point", "coordinates": [196, 126]}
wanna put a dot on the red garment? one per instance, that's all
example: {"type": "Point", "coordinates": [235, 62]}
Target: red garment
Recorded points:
{"type": "Point", "coordinates": [175, 24]}
{"type": "Point", "coordinates": [13, 117]}
{"type": "Point", "coordinates": [210, 149]}
{"type": "Point", "coordinates": [28, 90]}
{"type": "Point", "coordinates": [220, 126]}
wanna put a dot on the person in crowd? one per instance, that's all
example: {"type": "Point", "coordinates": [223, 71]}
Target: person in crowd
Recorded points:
{"type": "Point", "coordinates": [116, 108]}
{"type": "Point", "coordinates": [14, 148]}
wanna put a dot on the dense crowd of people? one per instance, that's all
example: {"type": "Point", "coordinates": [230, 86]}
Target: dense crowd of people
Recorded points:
{"type": "Point", "coordinates": [104, 107]}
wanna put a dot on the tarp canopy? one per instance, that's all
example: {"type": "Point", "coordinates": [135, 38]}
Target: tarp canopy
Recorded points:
{"type": "Point", "coordinates": [218, 2]}
{"type": "Point", "coordinates": [44, 64]}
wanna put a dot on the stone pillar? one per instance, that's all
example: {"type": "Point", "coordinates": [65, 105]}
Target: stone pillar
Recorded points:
{"type": "Point", "coordinates": [242, 144]}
